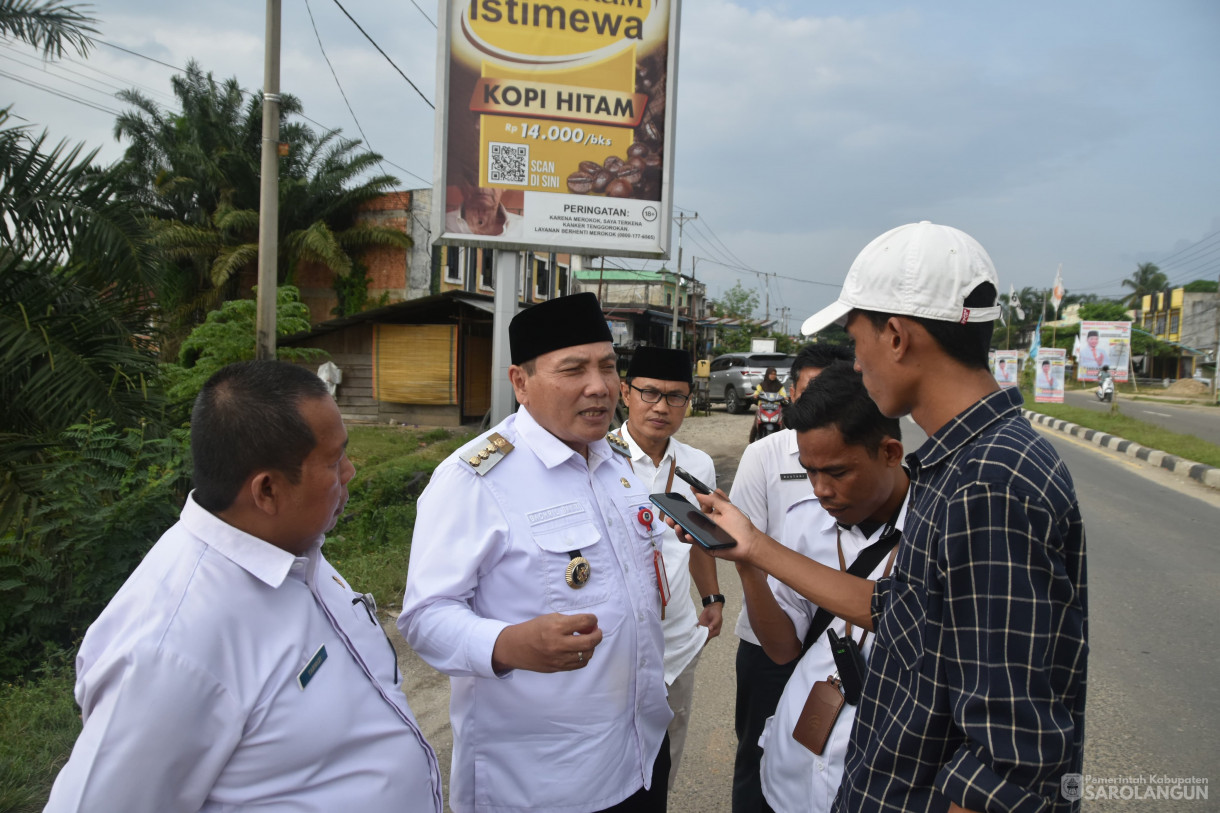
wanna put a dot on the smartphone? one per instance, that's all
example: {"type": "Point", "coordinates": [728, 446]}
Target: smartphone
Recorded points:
{"type": "Point", "coordinates": [707, 533]}
{"type": "Point", "coordinates": [692, 481]}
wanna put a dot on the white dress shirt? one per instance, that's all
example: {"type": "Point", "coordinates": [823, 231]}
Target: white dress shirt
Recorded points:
{"type": "Point", "coordinates": [490, 550]}
{"type": "Point", "coordinates": [793, 777]}
{"type": "Point", "coordinates": [769, 479]}
{"type": "Point", "coordinates": [684, 638]}
{"type": "Point", "coordinates": [190, 684]}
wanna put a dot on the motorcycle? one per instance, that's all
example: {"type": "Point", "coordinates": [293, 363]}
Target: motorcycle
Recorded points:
{"type": "Point", "coordinates": [769, 419]}
{"type": "Point", "coordinates": [1105, 389]}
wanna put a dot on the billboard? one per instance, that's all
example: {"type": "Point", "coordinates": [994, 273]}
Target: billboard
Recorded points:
{"type": "Point", "coordinates": [1048, 375]}
{"type": "Point", "coordinates": [555, 125]}
{"type": "Point", "coordinates": [1004, 367]}
{"type": "Point", "coordinates": [1104, 344]}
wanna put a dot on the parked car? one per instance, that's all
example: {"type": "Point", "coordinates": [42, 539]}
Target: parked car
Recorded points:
{"type": "Point", "coordinates": [733, 377]}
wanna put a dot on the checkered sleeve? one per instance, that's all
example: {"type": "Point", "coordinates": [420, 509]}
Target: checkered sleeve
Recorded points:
{"type": "Point", "coordinates": [1007, 603]}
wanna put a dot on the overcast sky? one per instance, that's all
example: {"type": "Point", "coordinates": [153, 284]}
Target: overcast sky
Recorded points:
{"type": "Point", "coordinates": [1081, 133]}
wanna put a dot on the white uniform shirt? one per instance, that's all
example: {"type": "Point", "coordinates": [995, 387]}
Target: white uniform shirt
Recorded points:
{"type": "Point", "coordinates": [490, 550]}
{"type": "Point", "coordinates": [684, 638]}
{"type": "Point", "coordinates": [189, 682]}
{"type": "Point", "coordinates": [793, 777]}
{"type": "Point", "coordinates": [769, 479]}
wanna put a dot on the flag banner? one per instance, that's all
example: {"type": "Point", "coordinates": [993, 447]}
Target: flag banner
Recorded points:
{"type": "Point", "coordinates": [1036, 344]}
{"type": "Point", "coordinates": [1058, 291]}
{"type": "Point", "coordinates": [1004, 367]}
{"type": "Point", "coordinates": [1105, 344]}
{"type": "Point", "coordinates": [1048, 375]}
{"type": "Point", "coordinates": [1014, 302]}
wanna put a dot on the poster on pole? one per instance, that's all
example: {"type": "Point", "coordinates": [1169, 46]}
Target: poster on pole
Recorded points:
{"type": "Point", "coordinates": [1004, 367]}
{"type": "Point", "coordinates": [555, 125]}
{"type": "Point", "coordinates": [1048, 375]}
{"type": "Point", "coordinates": [1104, 344]}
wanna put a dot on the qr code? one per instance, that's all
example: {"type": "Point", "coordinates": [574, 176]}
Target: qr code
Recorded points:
{"type": "Point", "coordinates": [507, 163]}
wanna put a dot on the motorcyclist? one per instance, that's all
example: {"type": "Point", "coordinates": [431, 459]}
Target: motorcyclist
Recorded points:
{"type": "Point", "coordinates": [770, 383]}
{"type": "Point", "coordinates": [1103, 375]}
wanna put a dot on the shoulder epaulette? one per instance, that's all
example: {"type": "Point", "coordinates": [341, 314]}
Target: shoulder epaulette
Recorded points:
{"type": "Point", "coordinates": [618, 444]}
{"type": "Point", "coordinates": [483, 458]}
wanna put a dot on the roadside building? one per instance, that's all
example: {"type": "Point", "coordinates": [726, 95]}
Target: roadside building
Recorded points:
{"type": "Point", "coordinates": [1189, 321]}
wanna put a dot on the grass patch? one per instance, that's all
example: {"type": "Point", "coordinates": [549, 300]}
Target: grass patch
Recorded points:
{"type": "Point", "coordinates": [39, 723]}
{"type": "Point", "coordinates": [372, 542]}
{"type": "Point", "coordinates": [1137, 431]}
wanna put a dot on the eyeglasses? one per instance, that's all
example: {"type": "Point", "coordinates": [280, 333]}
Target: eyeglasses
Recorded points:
{"type": "Point", "coordinates": [650, 396]}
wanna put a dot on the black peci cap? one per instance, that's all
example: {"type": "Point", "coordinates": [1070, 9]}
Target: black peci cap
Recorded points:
{"type": "Point", "coordinates": [555, 324]}
{"type": "Point", "coordinates": [660, 363]}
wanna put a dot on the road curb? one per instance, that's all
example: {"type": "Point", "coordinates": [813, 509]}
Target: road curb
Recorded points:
{"type": "Point", "coordinates": [1180, 466]}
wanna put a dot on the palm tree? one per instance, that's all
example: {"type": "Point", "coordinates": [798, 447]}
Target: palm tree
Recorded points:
{"type": "Point", "coordinates": [197, 173]}
{"type": "Point", "coordinates": [50, 26]}
{"type": "Point", "coordinates": [1147, 279]}
{"type": "Point", "coordinates": [75, 283]}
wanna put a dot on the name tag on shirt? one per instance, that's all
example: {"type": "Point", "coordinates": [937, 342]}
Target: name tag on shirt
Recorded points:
{"type": "Point", "coordinates": [799, 475]}
{"type": "Point", "coordinates": [311, 668]}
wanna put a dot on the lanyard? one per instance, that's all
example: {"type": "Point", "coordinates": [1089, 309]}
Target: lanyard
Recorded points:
{"type": "Point", "coordinates": [843, 567]}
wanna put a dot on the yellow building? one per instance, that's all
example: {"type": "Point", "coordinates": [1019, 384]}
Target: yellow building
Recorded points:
{"type": "Point", "coordinates": [1185, 318]}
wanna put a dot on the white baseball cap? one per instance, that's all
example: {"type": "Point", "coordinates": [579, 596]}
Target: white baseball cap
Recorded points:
{"type": "Point", "coordinates": [920, 269]}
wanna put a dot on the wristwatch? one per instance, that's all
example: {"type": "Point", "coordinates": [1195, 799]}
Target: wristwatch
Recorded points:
{"type": "Point", "coordinates": [712, 599]}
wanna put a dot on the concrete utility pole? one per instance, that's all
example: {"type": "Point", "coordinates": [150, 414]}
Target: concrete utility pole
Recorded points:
{"type": "Point", "coordinates": [1216, 352]}
{"type": "Point", "coordinates": [269, 190]}
{"type": "Point", "coordinates": [673, 333]}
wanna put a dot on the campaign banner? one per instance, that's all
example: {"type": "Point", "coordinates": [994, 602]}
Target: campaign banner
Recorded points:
{"type": "Point", "coordinates": [1004, 367]}
{"type": "Point", "coordinates": [1048, 375]}
{"type": "Point", "coordinates": [555, 125]}
{"type": "Point", "coordinates": [1104, 344]}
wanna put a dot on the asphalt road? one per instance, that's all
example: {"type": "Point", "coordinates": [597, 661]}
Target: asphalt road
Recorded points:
{"type": "Point", "coordinates": [1154, 700]}
{"type": "Point", "coordinates": [1199, 420]}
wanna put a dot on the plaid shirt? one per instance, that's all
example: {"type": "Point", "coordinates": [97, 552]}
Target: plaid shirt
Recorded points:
{"type": "Point", "coordinates": [976, 684]}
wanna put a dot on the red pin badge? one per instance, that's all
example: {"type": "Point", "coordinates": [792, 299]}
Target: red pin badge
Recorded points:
{"type": "Point", "coordinates": [644, 517]}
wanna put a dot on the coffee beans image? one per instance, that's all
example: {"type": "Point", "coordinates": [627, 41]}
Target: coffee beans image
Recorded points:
{"type": "Point", "coordinates": [636, 176]}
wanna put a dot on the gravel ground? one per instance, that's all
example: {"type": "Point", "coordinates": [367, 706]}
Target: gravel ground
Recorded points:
{"type": "Point", "coordinates": [705, 777]}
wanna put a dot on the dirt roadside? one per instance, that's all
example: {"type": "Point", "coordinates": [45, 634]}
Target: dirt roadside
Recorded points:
{"type": "Point", "coordinates": [705, 776]}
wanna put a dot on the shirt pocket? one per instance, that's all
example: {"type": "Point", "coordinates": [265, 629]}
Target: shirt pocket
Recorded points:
{"type": "Point", "coordinates": [901, 627]}
{"type": "Point", "coordinates": [643, 538]}
{"type": "Point", "coordinates": [556, 546]}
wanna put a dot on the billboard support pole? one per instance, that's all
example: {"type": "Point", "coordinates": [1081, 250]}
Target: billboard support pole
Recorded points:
{"type": "Point", "coordinates": [505, 264]}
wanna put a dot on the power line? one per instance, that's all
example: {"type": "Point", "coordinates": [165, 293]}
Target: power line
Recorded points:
{"type": "Point", "coordinates": [245, 92]}
{"type": "Point", "coordinates": [384, 54]}
{"type": "Point", "coordinates": [53, 92]}
{"type": "Point", "coordinates": [421, 11]}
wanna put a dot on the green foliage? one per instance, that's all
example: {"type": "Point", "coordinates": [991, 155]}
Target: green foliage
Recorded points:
{"type": "Point", "coordinates": [1104, 311]}
{"type": "Point", "coordinates": [739, 341]}
{"type": "Point", "coordinates": [1201, 286]}
{"type": "Point", "coordinates": [1147, 279]}
{"type": "Point", "coordinates": [228, 335]}
{"type": "Point", "coordinates": [108, 494]}
{"type": "Point", "coordinates": [196, 171]}
{"type": "Point", "coordinates": [39, 723]}
{"type": "Point", "coordinates": [52, 26]}
{"type": "Point", "coordinates": [736, 302]}
{"type": "Point", "coordinates": [372, 542]}
{"type": "Point", "coordinates": [75, 276]}
{"type": "Point", "coordinates": [352, 292]}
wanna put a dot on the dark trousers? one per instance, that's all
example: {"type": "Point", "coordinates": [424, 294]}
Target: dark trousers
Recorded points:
{"type": "Point", "coordinates": [656, 797]}
{"type": "Point", "coordinates": [760, 682]}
